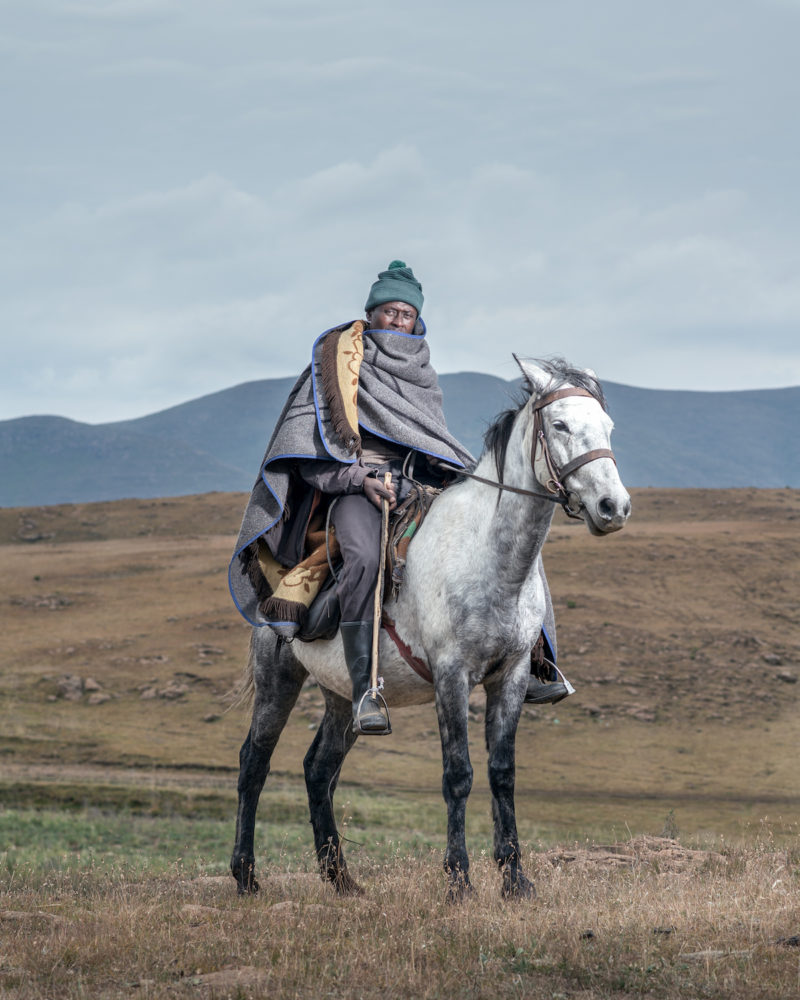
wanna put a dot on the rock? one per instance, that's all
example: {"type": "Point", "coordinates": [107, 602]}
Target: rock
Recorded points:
{"type": "Point", "coordinates": [70, 687]}
{"type": "Point", "coordinates": [148, 694]}
{"type": "Point", "coordinates": [224, 882]}
{"type": "Point", "coordinates": [593, 710]}
{"type": "Point", "coordinates": [786, 676]}
{"type": "Point", "coordinates": [198, 912]}
{"type": "Point", "coordinates": [645, 850]}
{"type": "Point", "coordinates": [290, 908]}
{"type": "Point", "coordinates": [289, 882]}
{"type": "Point", "coordinates": [772, 659]}
{"type": "Point", "coordinates": [99, 698]}
{"type": "Point", "coordinates": [748, 641]}
{"type": "Point", "coordinates": [212, 717]}
{"type": "Point", "coordinates": [173, 691]}
{"type": "Point", "coordinates": [715, 953]}
{"type": "Point", "coordinates": [90, 684]}
{"type": "Point", "coordinates": [236, 982]}
{"type": "Point", "coordinates": [641, 714]}
{"type": "Point", "coordinates": [23, 916]}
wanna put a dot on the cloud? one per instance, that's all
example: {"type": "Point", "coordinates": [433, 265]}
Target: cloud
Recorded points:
{"type": "Point", "coordinates": [113, 9]}
{"type": "Point", "coordinates": [192, 194]}
{"type": "Point", "coordinates": [189, 289]}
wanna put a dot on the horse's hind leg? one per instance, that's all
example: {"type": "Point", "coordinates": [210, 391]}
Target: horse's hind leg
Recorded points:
{"type": "Point", "coordinates": [278, 678]}
{"type": "Point", "coordinates": [322, 766]}
{"type": "Point", "coordinates": [503, 706]}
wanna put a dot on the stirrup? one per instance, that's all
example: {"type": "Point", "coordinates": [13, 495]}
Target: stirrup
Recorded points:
{"type": "Point", "coordinates": [376, 694]}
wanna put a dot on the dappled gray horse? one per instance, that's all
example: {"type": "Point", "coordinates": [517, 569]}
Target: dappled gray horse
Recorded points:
{"type": "Point", "coordinates": [471, 607]}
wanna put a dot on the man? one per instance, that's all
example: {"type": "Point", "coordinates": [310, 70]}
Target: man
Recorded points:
{"type": "Point", "coordinates": [368, 403]}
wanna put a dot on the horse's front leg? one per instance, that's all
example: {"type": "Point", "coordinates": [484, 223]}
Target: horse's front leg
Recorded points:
{"type": "Point", "coordinates": [452, 703]}
{"type": "Point", "coordinates": [504, 697]}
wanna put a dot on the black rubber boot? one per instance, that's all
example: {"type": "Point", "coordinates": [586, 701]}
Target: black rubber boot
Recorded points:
{"type": "Point", "coordinates": [368, 713]}
{"type": "Point", "coordinates": [541, 693]}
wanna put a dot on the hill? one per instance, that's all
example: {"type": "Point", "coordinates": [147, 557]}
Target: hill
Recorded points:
{"type": "Point", "coordinates": [662, 438]}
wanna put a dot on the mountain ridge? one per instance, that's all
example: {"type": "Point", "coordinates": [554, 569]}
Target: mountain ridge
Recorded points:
{"type": "Point", "coordinates": [663, 438]}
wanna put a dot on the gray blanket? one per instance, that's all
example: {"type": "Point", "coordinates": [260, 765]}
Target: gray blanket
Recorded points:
{"type": "Point", "coordinates": [398, 399]}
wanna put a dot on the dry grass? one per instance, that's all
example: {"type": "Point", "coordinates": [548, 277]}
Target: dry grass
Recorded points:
{"type": "Point", "coordinates": [682, 636]}
{"type": "Point", "coordinates": [647, 919]}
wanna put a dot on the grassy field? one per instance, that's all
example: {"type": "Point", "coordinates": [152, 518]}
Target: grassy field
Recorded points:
{"type": "Point", "coordinates": [649, 919]}
{"type": "Point", "coordinates": [118, 763]}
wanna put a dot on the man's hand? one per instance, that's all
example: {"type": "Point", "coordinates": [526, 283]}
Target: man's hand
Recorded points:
{"type": "Point", "coordinates": [375, 491]}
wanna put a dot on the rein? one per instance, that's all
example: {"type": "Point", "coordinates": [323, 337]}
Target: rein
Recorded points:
{"type": "Point", "coordinates": [556, 491]}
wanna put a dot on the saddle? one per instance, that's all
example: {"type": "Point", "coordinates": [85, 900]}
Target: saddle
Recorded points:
{"type": "Point", "coordinates": [324, 614]}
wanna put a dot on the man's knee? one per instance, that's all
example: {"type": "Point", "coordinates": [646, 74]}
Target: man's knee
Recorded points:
{"type": "Point", "coordinates": [357, 524]}
{"type": "Point", "coordinates": [360, 560]}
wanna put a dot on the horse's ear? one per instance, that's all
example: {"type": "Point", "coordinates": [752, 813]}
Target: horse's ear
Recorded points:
{"type": "Point", "coordinates": [536, 377]}
{"type": "Point", "coordinates": [592, 374]}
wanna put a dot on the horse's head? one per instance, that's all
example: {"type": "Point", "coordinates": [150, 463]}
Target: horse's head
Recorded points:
{"type": "Point", "coordinates": [570, 434]}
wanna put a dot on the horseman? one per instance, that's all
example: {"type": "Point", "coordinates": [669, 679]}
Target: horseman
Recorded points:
{"type": "Point", "coordinates": [368, 404]}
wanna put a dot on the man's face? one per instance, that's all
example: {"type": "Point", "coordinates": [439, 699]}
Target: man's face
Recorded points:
{"type": "Point", "coordinates": [398, 316]}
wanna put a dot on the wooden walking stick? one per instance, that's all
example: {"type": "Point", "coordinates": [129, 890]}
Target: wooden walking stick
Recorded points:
{"type": "Point", "coordinates": [378, 605]}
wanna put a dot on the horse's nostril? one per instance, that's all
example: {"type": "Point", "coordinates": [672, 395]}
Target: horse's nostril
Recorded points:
{"type": "Point", "coordinates": [626, 510]}
{"type": "Point", "coordinates": [607, 508]}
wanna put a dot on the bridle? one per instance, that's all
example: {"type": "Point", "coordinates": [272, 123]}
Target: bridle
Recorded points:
{"type": "Point", "coordinates": [553, 482]}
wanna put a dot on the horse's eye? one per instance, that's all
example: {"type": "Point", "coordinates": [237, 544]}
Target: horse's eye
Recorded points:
{"type": "Point", "coordinates": [559, 425]}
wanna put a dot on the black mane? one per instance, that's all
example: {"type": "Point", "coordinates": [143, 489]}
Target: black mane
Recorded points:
{"type": "Point", "coordinates": [497, 435]}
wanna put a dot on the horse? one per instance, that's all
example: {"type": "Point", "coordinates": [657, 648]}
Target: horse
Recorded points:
{"type": "Point", "coordinates": [471, 607]}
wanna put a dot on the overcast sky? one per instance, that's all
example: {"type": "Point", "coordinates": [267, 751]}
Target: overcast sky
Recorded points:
{"type": "Point", "coordinates": [191, 192]}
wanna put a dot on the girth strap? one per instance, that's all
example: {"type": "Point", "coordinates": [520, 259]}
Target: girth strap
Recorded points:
{"type": "Point", "coordinates": [417, 665]}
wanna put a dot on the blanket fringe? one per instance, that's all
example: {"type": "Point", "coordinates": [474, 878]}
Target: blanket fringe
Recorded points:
{"type": "Point", "coordinates": [278, 609]}
{"type": "Point", "coordinates": [257, 579]}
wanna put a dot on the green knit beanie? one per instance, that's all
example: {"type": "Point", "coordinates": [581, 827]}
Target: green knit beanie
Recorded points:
{"type": "Point", "coordinates": [396, 284]}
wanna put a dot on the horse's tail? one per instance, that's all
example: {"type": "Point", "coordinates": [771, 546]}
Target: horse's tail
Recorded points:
{"type": "Point", "coordinates": [242, 695]}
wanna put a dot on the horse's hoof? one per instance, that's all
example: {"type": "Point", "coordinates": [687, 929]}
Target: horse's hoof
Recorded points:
{"type": "Point", "coordinates": [246, 882]}
{"type": "Point", "coordinates": [346, 885]}
{"type": "Point", "coordinates": [341, 880]}
{"type": "Point", "coordinates": [459, 892]}
{"type": "Point", "coordinates": [517, 888]}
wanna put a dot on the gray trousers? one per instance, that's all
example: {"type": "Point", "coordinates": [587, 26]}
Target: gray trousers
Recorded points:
{"type": "Point", "coordinates": [357, 523]}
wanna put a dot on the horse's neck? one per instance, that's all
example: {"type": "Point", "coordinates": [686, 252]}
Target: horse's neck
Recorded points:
{"type": "Point", "coordinates": [514, 527]}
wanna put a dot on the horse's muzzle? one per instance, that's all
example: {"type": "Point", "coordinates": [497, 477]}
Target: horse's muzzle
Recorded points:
{"type": "Point", "coordinates": [610, 514]}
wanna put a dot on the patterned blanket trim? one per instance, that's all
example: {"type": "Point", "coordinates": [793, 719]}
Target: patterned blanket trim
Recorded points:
{"type": "Point", "coordinates": [292, 590]}
{"type": "Point", "coordinates": [342, 354]}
